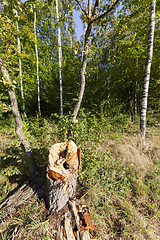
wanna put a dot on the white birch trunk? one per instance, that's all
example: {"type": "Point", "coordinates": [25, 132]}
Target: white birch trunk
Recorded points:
{"type": "Point", "coordinates": [85, 24]}
{"type": "Point", "coordinates": [60, 58]}
{"type": "Point", "coordinates": [147, 71]}
{"type": "Point", "coordinates": [84, 32]}
{"type": "Point", "coordinates": [135, 99]}
{"type": "Point", "coordinates": [20, 68]}
{"type": "Point", "coordinates": [36, 49]}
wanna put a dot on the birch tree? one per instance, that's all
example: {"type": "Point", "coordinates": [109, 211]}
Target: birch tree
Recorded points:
{"type": "Point", "coordinates": [60, 58]}
{"type": "Point", "coordinates": [18, 120]}
{"type": "Point", "coordinates": [20, 67]}
{"type": "Point", "coordinates": [147, 71]}
{"type": "Point", "coordinates": [36, 50]}
{"type": "Point", "coordinates": [90, 19]}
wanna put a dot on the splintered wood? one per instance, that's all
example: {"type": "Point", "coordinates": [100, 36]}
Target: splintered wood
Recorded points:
{"type": "Point", "coordinates": [63, 164]}
{"type": "Point", "coordinates": [71, 228]}
{"type": "Point", "coordinates": [64, 160]}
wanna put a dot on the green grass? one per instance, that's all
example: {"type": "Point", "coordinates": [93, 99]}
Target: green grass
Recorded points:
{"type": "Point", "coordinates": [124, 201]}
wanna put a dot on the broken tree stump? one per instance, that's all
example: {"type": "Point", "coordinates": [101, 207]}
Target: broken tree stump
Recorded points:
{"type": "Point", "coordinates": [63, 164]}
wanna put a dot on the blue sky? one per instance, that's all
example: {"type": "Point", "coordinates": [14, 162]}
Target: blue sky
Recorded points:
{"type": "Point", "coordinates": [78, 22]}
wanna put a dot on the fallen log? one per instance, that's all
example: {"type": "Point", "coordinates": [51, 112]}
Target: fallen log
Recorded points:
{"type": "Point", "coordinates": [63, 164]}
{"type": "Point", "coordinates": [29, 189]}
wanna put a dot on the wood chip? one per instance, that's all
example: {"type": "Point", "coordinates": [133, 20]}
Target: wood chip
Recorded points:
{"type": "Point", "coordinates": [74, 209]}
{"type": "Point", "coordinates": [88, 222]}
{"type": "Point", "coordinates": [60, 233]}
{"type": "Point", "coordinates": [68, 229]}
{"type": "Point", "coordinates": [84, 235]}
{"type": "Point", "coordinates": [78, 235]}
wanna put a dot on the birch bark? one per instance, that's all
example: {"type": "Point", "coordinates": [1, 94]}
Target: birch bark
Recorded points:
{"type": "Point", "coordinates": [20, 68]}
{"type": "Point", "coordinates": [147, 72]}
{"type": "Point", "coordinates": [18, 120]}
{"type": "Point", "coordinates": [60, 59]}
{"type": "Point", "coordinates": [36, 50]}
{"type": "Point", "coordinates": [84, 31]}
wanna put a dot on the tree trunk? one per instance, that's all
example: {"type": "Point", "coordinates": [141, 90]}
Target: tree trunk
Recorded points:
{"type": "Point", "coordinates": [20, 68]}
{"type": "Point", "coordinates": [85, 54]}
{"type": "Point", "coordinates": [130, 103]}
{"type": "Point", "coordinates": [60, 59]}
{"type": "Point", "coordinates": [63, 164]}
{"type": "Point", "coordinates": [16, 114]}
{"type": "Point", "coordinates": [84, 31]}
{"type": "Point", "coordinates": [147, 72]}
{"type": "Point", "coordinates": [36, 49]}
{"type": "Point", "coordinates": [82, 72]}
{"type": "Point", "coordinates": [135, 90]}
{"type": "Point", "coordinates": [135, 100]}
{"type": "Point", "coordinates": [84, 61]}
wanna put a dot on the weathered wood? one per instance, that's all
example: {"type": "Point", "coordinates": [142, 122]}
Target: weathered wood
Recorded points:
{"type": "Point", "coordinates": [68, 229]}
{"type": "Point", "coordinates": [88, 221]}
{"type": "Point", "coordinates": [73, 206]}
{"type": "Point", "coordinates": [84, 235]}
{"type": "Point", "coordinates": [63, 164]}
{"type": "Point", "coordinates": [60, 233]}
{"type": "Point", "coordinates": [12, 198]}
{"type": "Point", "coordinates": [63, 160]}
{"type": "Point", "coordinates": [34, 188]}
{"type": "Point", "coordinates": [78, 235]}
{"type": "Point", "coordinates": [58, 192]}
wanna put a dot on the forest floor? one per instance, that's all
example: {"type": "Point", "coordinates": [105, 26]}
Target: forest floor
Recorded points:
{"type": "Point", "coordinates": [119, 182]}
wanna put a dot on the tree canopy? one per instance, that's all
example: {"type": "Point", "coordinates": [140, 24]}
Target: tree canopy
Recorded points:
{"type": "Point", "coordinates": [116, 55]}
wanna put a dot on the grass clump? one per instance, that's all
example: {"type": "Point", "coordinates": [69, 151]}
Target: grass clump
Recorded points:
{"type": "Point", "coordinates": [27, 223]}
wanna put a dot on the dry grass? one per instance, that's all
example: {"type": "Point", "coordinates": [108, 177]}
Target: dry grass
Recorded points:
{"type": "Point", "coordinates": [134, 213]}
{"type": "Point", "coordinates": [129, 149]}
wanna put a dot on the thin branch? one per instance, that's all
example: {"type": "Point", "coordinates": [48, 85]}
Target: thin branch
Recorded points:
{"type": "Point", "coordinates": [95, 9]}
{"type": "Point", "coordinates": [104, 14]}
{"type": "Point", "coordinates": [81, 7]}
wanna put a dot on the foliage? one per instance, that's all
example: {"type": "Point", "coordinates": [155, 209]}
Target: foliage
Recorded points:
{"type": "Point", "coordinates": [13, 164]}
{"type": "Point", "coordinates": [116, 60]}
